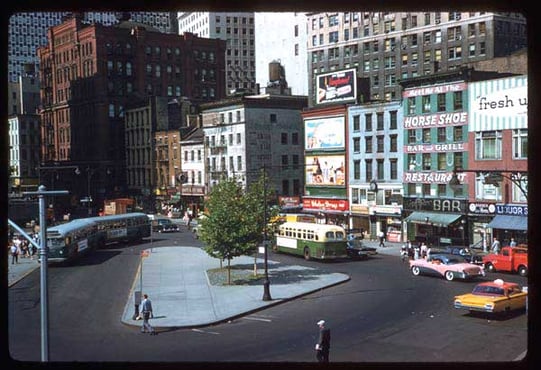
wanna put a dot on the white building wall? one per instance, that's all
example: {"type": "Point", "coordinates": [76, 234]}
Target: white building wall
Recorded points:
{"type": "Point", "coordinates": [275, 40]}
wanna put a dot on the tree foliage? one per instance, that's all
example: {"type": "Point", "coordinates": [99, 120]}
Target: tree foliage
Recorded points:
{"type": "Point", "coordinates": [236, 219]}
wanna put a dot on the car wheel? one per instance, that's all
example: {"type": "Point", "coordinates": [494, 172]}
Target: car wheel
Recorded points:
{"type": "Point", "coordinates": [416, 271]}
{"type": "Point", "coordinates": [449, 275]}
{"type": "Point", "coordinates": [522, 271]}
{"type": "Point", "coordinates": [490, 267]}
{"type": "Point", "coordinates": [306, 253]}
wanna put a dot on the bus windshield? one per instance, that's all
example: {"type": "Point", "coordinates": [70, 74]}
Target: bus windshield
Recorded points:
{"type": "Point", "coordinates": [55, 242]}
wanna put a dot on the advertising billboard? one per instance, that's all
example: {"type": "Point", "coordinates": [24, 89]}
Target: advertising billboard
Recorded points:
{"type": "Point", "coordinates": [325, 170]}
{"type": "Point", "coordinates": [337, 86]}
{"type": "Point", "coordinates": [325, 133]}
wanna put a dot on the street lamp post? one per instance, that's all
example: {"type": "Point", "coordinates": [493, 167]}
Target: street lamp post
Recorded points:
{"type": "Point", "coordinates": [266, 282]}
{"type": "Point", "coordinates": [43, 252]}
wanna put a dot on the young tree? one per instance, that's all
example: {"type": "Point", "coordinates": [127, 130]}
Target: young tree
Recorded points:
{"type": "Point", "coordinates": [236, 219]}
{"type": "Point", "coordinates": [223, 230]}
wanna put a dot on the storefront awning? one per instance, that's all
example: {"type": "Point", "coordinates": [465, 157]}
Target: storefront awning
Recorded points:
{"type": "Point", "coordinates": [509, 223]}
{"type": "Point", "coordinates": [433, 218]}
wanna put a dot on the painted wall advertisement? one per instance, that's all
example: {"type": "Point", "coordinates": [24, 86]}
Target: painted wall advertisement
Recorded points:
{"type": "Point", "coordinates": [325, 204]}
{"type": "Point", "coordinates": [325, 170]}
{"type": "Point", "coordinates": [325, 133]}
{"type": "Point", "coordinates": [337, 86]}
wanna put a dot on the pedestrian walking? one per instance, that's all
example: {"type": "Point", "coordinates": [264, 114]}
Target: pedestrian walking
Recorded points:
{"type": "Point", "coordinates": [14, 253]}
{"type": "Point", "coordinates": [424, 249]}
{"type": "Point", "coordinates": [146, 309]}
{"type": "Point", "coordinates": [381, 237]}
{"type": "Point", "coordinates": [496, 246]}
{"type": "Point", "coordinates": [512, 243]}
{"type": "Point", "coordinates": [323, 345]}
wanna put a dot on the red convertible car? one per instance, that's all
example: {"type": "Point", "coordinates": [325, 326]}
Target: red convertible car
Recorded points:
{"type": "Point", "coordinates": [447, 266]}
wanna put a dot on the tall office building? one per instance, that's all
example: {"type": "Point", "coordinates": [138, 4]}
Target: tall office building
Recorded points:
{"type": "Point", "coordinates": [388, 47]}
{"type": "Point", "coordinates": [281, 37]}
{"type": "Point", "coordinates": [28, 30]}
{"type": "Point", "coordinates": [237, 29]}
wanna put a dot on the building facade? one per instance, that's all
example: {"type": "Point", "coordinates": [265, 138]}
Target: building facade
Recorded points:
{"type": "Point", "coordinates": [28, 31]}
{"type": "Point", "coordinates": [90, 73]}
{"type": "Point", "coordinates": [388, 47]}
{"type": "Point", "coordinates": [498, 136]}
{"type": "Point", "coordinates": [375, 172]}
{"type": "Point", "coordinates": [238, 32]}
{"type": "Point", "coordinates": [281, 37]}
{"type": "Point", "coordinates": [248, 134]}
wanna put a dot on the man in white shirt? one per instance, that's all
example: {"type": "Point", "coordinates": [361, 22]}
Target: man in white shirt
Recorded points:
{"type": "Point", "coordinates": [146, 309]}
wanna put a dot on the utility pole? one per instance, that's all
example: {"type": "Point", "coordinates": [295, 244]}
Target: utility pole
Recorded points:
{"type": "Point", "coordinates": [266, 282]}
{"type": "Point", "coordinates": [43, 252]}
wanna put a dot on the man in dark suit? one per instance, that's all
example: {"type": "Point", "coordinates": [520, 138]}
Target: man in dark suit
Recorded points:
{"type": "Point", "coordinates": [324, 343]}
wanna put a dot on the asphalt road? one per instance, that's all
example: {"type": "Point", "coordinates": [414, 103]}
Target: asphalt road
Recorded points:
{"type": "Point", "coordinates": [383, 314]}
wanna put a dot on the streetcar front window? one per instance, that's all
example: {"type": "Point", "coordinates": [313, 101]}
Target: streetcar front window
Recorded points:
{"type": "Point", "coordinates": [55, 242]}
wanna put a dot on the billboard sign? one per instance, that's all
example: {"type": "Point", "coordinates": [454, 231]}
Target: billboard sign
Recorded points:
{"type": "Point", "coordinates": [325, 133]}
{"type": "Point", "coordinates": [337, 86]}
{"type": "Point", "coordinates": [325, 170]}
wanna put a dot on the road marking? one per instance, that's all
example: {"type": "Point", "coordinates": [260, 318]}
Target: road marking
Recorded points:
{"type": "Point", "coordinates": [205, 332]}
{"type": "Point", "coordinates": [256, 319]}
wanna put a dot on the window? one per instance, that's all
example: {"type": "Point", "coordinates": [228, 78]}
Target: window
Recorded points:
{"type": "Point", "coordinates": [426, 135]}
{"type": "Point", "coordinates": [411, 105]}
{"type": "Point", "coordinates": [394, 168]}
{"type": "Point", "coordinates": [284, 138]}
{"type": "Point", "coordinates": [379, 120]}
{"type": "Point", "coordinates": [357, 169]}
{"type": "Point", "coordinates": [356, 123]}
{"type": "Point", "coordinates": [381, 170]}
{"type": "Point", "coordinates": [356, 145]}
{"type": "Point", "coordinates": [425, 189]}
{"type": "Point", "coordinates": [458, 160]}
{"type": "Point", "coordinates": [394, 143]}
{"type": "Point", "coordinates": [442, 190]}
{"type": "Point", "coordinates": [427, 162]}
{"type": "Point", "coordinates": [368, 144]}
{"type": "Point", "coordinates": [295, 138]}
{"type": "Point", "coordinates": [488, 145]}
{"type": "Point", "coordinates": [442, 161]}
{"type": "Point", "coordinates": [238, 138]}
{"type": "Point", "coordinates": [380, 143]}
{"type": "Point", "coordinates": [441, 102]}
{"type": "Point", "coordinates": [426, 103]}
{"type": "Point", "coordinates": [457, 100]}
{"type": "Point", "coordinates": [284, 161]}
{"type": "Point", "coordinates": [441, 135]}
{"type": "Point", "coordinates": [368, 169]}
{"type": "Point", "coordinates": [368, 122]}
{"type": "Point", "coordinates": [458, 133]}
{"type": "Point", "coordinates": [393, 120]}
{"type": "Point", "coordinates": [273, 118]}
{"type": "Point", "coordinates": [239, 163]}
{"type": "Point", "coordinates": [520, 144]}
{"type": "Point", "coordinates": [412, 138]}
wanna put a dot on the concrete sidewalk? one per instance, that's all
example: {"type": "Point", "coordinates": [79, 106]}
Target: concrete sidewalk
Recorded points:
{"type": "Point", "coordinates": [176, 282]}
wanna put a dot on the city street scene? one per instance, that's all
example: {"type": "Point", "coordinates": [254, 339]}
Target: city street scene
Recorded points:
{"type": "Point", "coordinates": [248, 188]}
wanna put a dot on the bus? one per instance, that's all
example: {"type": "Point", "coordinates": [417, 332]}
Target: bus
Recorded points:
{"type": "Point", "coordinates": [123, 227]}
{"type": "Point", "coordinates": [68, 241]}
{"type": "Point", "coordinates": [311, 240]}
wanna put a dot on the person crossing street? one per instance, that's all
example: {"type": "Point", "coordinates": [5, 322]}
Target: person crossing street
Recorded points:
{"type": "Point", "coordinates": [146, 309]}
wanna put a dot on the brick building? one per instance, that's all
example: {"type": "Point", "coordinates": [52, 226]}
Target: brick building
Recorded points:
{"type": "Point", "coordinates": [89, 73]}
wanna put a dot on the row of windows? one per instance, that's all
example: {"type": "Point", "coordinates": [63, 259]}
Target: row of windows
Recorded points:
{"type": "Point", "coordinates": [379, 144]}
{"type": "Point", "coordinates": [380, 122]}
{"type": "Point", "coordinates": [380, 173]}
{"type": "Point", "coordinates": [428, 38]}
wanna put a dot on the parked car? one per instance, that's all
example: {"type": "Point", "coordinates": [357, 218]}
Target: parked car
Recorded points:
{"type": "Point", "coordinates": [493, 297]}
{"type": "Point", "coordinates": [510, 259]}
{"type": "Point", "coordinates": [164, 225]}
{"type": "Point", "coordinates": [446, 265]}
{"type": "Point", "coordinates": [357, 249]}
{"type": "Point", "coordinates": [466, 253]}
